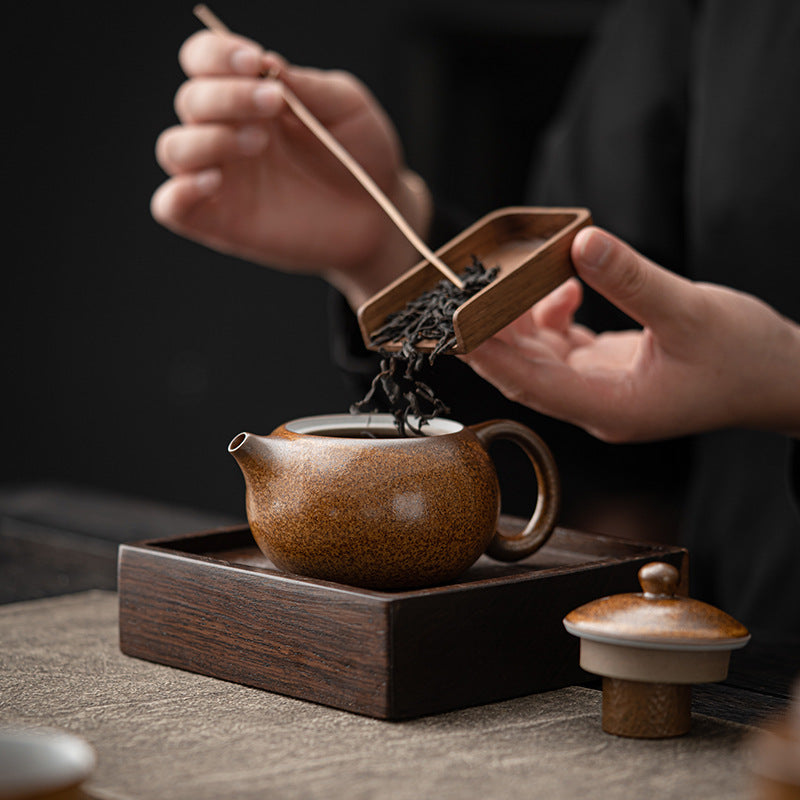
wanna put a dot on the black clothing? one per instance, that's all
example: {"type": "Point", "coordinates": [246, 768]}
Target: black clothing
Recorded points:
{"type": "Point", "coordinates": [682, 136]}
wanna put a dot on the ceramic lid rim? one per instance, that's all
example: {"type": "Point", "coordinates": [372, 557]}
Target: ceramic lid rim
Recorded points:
{"type": "Point", "coordinates": [676, 643]}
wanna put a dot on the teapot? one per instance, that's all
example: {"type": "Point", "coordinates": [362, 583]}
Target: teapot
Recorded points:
{"type": "Point", "coordinates": [346, 498]}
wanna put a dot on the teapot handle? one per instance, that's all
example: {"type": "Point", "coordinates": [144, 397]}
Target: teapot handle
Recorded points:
{"type": "Point", "coordinates": [515, 546]}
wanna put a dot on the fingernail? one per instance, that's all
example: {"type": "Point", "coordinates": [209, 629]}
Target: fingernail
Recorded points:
{"type": "Point", "coordinates": [208, 181]}
{"type": "Point", "coordinates": [267, 97]}
{"type": "Point", "coordinates": [251, 140]}
{"type": "Point", "coordinates": [245, 61]}
{"type": "Point", "coordinates": [594, 250]}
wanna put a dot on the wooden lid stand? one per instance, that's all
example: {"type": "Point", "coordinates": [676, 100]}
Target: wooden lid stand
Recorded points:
{"type": "Point", "coordinates": [650, 648]}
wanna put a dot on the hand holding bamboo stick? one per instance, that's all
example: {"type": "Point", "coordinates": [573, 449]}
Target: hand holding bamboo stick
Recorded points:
{"type": "Point", "coordinates": [213, 23]}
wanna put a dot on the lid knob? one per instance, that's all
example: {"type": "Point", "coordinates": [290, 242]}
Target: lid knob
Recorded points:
{"type": "Point", "coordinates": [659, 579]}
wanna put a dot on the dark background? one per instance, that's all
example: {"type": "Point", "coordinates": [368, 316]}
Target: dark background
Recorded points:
{"type": "Point", "coordinates": [131, 356]}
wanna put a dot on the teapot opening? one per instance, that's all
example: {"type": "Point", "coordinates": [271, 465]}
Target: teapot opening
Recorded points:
{"type": "Point", "coordinates": [366, 426]}
{"type": "Point", "coordinates": [237, 442]}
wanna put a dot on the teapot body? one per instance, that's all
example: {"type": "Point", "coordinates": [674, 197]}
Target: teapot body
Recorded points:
{"type": "Point", "coordinates": [344, 498]}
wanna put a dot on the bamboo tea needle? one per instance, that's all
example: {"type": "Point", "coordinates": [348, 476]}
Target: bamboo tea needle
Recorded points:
{"type": "Point", "coordinates": [213, 23]}
{"type": "Point", "coordinates": [210, 19]}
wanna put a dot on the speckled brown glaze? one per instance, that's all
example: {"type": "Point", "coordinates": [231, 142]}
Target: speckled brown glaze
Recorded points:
{"type": "Point", "coordinates": [650, 647]}
{"type": "Point", "coordinates": [384, 513]}
{"type": "Point", "coordinates": [657, 615]}
{"type": "Point", "coordinates": [646, 710]}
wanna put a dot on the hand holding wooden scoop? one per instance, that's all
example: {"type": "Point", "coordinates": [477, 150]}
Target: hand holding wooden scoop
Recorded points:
{"type": "Point", "coordinates": [530, 247]}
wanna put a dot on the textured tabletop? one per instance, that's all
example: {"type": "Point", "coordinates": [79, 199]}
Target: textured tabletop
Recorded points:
{"type": "Point", "coordinates": [163, 733]}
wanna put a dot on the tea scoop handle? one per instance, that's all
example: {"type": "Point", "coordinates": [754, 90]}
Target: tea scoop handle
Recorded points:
{"type": "Point", "coordinates": [515, 546]}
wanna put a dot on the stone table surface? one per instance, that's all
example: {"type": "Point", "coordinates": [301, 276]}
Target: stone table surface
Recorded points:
{"type": "Point", "coordinates": [163, 733]}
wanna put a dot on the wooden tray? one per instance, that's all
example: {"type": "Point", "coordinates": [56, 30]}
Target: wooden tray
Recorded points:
{"type": "Point", "coordinates": [211, 603]}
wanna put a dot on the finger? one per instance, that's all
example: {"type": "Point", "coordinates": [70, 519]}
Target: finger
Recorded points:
{"type": "Point", "coordinates": [329, 94]}
{"type": "Point", "coordinates": [614, 350]}
{"type": "Point", "coordinates": [535, 380]}
{"type": "Point", "coordinates": [557, 309]}
{"type": "Point", "coordinates": [580, 336]}
{"type": "Point", "coordinates": [543, 342]}
{"type": "Point", "coordinates": [596, 401]}
{"type": "Point", "coordinates": [229, 100]}
{"type": "Point", "coordinates": [194, 148]}
{"type": "Point", "coordinates": [649, 294]}
{"type": "Point", "coordinates": [551, 320]}
{"type": "Point", "coordinates": [174, 202]}
{"type": "Point", "coordinates": [217, 54]}
{"type": "Point", "coordinates": [534, 341]}
{"type": "Point", "coordinates": [521, 327]}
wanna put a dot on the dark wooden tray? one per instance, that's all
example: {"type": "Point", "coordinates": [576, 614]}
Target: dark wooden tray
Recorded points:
{"type": "Point", "coordinates": [211, 603]}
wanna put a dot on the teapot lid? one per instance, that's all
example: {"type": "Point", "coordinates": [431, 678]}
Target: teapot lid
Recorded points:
{"type": "Point", "coordinates": [657, 617]}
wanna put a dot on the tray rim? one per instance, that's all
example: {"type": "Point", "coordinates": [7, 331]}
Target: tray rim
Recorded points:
{"type": "Point", "coordinates": [160, 547]}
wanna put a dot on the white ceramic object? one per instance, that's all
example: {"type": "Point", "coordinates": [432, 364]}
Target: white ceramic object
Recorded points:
{"type": "Point", "coordinates": [38, 762]}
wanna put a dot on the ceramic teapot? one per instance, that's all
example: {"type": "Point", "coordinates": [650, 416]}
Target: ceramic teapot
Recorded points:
{"type": "Point", "coordinates": [345, 498]}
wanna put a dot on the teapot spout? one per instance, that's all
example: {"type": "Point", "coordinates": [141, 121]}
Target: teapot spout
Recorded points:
{"type": "Point", "coordinates": [251, 453]}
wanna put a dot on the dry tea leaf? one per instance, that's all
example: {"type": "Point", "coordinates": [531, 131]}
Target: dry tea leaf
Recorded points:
{"type": "Point", "coordinates": [430, 316]}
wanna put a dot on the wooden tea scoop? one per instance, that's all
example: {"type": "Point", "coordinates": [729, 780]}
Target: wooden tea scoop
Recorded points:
{"type": "Point", "coordinates": [530, 247]}
{"type": "Point", "coordinates": [213, 23]}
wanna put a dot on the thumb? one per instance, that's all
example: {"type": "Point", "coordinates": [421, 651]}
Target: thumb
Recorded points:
{"type": "Point", "coordinates": [646, 292]}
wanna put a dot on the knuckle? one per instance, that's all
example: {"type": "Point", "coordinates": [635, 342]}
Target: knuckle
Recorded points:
{"type": "Point", "coordinates": [162, 150]}
{"type": "Point", "coordinates": [183, 101]}
{"type": "Point", "coordinates": [276, 59]}
{"type": "Point", "coordinates": [341, 77]}
{"type": "Point", "coordinates": [160, 205]}
{"type": "Point", "coordinates": [690, 318]}
{"type": "Point", "coordinates": [703, 304]}
{"type": "Point", "coordinates": [175, 151]}
{"type": "Point", "coordinates": [195, 50]}
{"type": "Point", "coordinates": [199, 100]}
{"type": "Point", "coordinates": [630, 277]}
{"type": "Point", "coordinates": [344, 83]}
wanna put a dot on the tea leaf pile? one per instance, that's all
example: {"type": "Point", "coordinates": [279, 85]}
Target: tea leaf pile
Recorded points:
{"type": "Point", "coordinates": [430, 316]}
